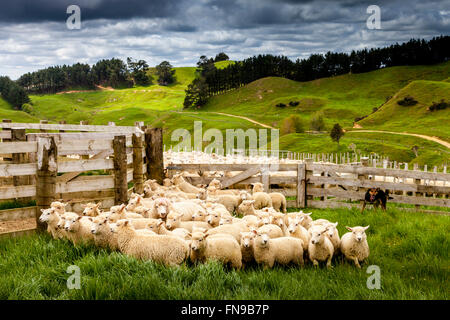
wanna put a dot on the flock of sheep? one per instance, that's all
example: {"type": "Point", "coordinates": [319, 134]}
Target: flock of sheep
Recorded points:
{"type": "Point", "coordinates": [177, 221]}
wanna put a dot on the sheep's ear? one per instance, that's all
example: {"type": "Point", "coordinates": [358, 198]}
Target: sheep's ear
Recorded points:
{"type": "Point", "coordinates": [160, 222]}
{"type": "Point", "coordinates": [83, 206]}
{"type": "Point", "coordinates": [125, 223]}
{"type": "Point", "coordinates": [90, 219]}
{"type": "Point", "coordinates": [336, 223]}
{"type": "Point", "coordinates": [254, 231]}
{"type": "Point", "coordinates": [79, 218]}
{"type": "Point", "coordinates": [348, 228]}
{"type": "Point", "coordinates": [365, 228]}
{"type": "Point", "coordinates": [42, 210]}
{"type": "Point", "coordinates": [308, 214]}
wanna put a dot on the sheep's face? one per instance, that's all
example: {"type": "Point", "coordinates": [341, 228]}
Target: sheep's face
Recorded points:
{"type": "Point", "coordinates": [91, 210]}
{"type": "Point", "coordinates": [358, 233]}
{"type": "Point", "coordinates": [213, 218]}
{"type": "Point", "coordinates": [244, 195]}
{"type": "Point", "coordinates": [225, 220]}
{"type": "Point", "coordinates": [46, 214]}
{"type": "Point", "coordinates": [258, 187]}
{"type": "Point", "coordinates": [61, 223]}
{"type": "Point", "coordinates": [134, 203]}
{"type": "Point", "coordinates": [73, 224]}
{"type": "Point", "coordinates": [331, 229]}
{"type": "Point", "coordinates": [117, 209]}
{"type": "Point", "coordinates": [198, 240]}
{"type": "Point", "coordinates": [148, 192]}
{"type": "Point", "coordinates": [199, 216]}
{"type": "Point", "coordinates": [153, 226]}
{"type": "Point", "coordinates": [317, 235]}
{"type": "Point", "coordinates": [99, 226]}
{"type": "Point", "coordinates": [246, 205]}
{"type": "Point", "coordinates": [178, 179]}
{"type": "Point", "coordinates": [202, 194]}
{"type": "Point", "coordinates": [172, 222]}
{"type": "Point", "coordinates": [162, 207]}
{"type": "Point", "coordinates": [247, 239]}
{"type": "Point", "coordinates": [58, 206]}
{"type": "Point", "coordinates": [262, 239]}
{"type": "Point", "coordinates": [266, 219]}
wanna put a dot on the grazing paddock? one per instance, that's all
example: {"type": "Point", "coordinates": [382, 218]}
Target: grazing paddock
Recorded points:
{"type": "Point", "coordinates": [411, 249]}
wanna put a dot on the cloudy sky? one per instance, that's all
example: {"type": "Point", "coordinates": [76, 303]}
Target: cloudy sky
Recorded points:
{"type": "Point", "coordinates": [34, 35]}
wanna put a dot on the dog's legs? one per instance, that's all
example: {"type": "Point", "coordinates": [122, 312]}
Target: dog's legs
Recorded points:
{"type": "Point", "coordinates": [363, 206]}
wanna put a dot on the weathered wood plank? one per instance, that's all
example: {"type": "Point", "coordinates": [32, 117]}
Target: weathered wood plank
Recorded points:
{"type": "Point", "coordinates": [301, 185]}
{"type": "Point", "coordinates": [23, 169]}
{"type": "Point", "coordinates": [17, 213]}
{"type": "Point", "coordinates": [85, 165]}
{"type": "Point", "coordinates": [239, 177]}
{"type": "Point", "coordinates": [18, 147]}
{"type": "Point", "coordinates": [17, 192]}
{"type": "Point", "coordinates": [86, 183]}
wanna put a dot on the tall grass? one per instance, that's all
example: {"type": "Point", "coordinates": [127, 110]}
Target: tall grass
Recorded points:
{"type": "Point", "coordinates": [411, 249]}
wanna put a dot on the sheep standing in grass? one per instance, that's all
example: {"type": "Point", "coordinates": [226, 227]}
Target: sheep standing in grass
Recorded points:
{"type": "Point", "coordinates": [222, 248]}
{"type": "Point", "coordinates": [278, 201]}
{"type": "Point", "coordinates": [247, 247]}
{"type": "Point", "coordinates": [282, 250]}
{"type": "Point", "coordinates": [272, 230]}
{"type": "Point", "coordinates": [262, 200]}
{"type": "Point", "coordinates": [169, 250]}
{"type": "Point", "coordinates": [307, 221]}
{"type": "Point", "coordinates": [354, 245]}
{"type": "Point", "coordinates": [51, 217]}
{"type": "Point", "coordinates": [247, 208]}
{"type": "Point", "coordinates": [333, 235]}
{"type": "Point", "coordinates": [79, 230]}
{"type": "Point", "coordinates": [296, 230]}
{"type": "Point", "coordinates": [103, 237]}
{"type": "Point", "coordinates": [320, 247]}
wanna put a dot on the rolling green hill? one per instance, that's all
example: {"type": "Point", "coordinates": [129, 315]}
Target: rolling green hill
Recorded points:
{"type": "Point", "coordinates": [395, 117]}
{"type": "Point", "coordinates": [340, 98]}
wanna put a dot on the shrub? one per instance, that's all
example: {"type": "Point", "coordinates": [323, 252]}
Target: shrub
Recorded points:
{"type": "Point", "coordinates": [337, 133]}
{"type": "Point", "coordinates": [317, 123]}
{"type": "Point", "coordinates": [292, 124]}
{"type": "Point", "coordinates": [407, 101]}
{"type": "Point", "coordinates": [294, 103]}
{"type": "Point", "coordinates": [439, 105]}
{"type": "Point", "coordinates": [280, 105]}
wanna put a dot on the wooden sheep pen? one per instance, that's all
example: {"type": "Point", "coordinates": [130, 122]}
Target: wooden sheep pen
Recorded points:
{"type": "Point", "coordinates": [328, 185]}
{"type": "Point", "coordinates": [48, 165]}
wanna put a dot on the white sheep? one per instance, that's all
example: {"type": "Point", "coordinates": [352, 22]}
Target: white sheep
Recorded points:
{"type": "Point", "coordinates": [262, 200]}
{"type": "Point", "coordinates": [222, 248]}
{"type": "Point", "coordinates": [103, 236]}
{"type": "Point", "coordinates": [296, 230]}
{"type": "Point", "coordinates": [178, 232]}
{"type": "Point", "coordinates": [51, 217]}
{"type": "Point", "coordinates": [79, 230]}
{"type": "Point", "coordinates": [272, 230]}
{"type": "Point", "coordinates": [175, 221]}
{"type": "Point", "coordinates": [279, 202]}
{"type": "Point", "coordinates": [91, 209]}
{"type": "Point", "coordinates": [354, 245]}
{"type": "Point", "coordinates": [333, 234]}
{"type": "Point", "coordinates": [169, 250]}
{"type": "Point", "coordinates": [234, 229]}
{"type": "Point", "coordinates": [282, 250]}
{"type": "Point", "coordinates": [184, 186]}
{"type": "Point", "coordinates": [320, 247]}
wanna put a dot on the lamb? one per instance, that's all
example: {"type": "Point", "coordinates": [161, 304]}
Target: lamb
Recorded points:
{"type": "Point", "coordinates": [296, 230]}
{"type": "Point", "coordinates": [234, 229]}
{"type": "Point", "coordinates": [306, 222]}
{"type": "Point", "coordinates": [184, 186]}
{"type": "Point", "coordinates": [119, 212]}
{"type": "Point", "coordinates": [278, 201]}
{"type": "Point", "coordinates": [91, 209]}
{"type": "Point", "coordinates": [79, 230]}
{"type": "Point", "coordinates": [320, 247]}
{"type": "Point", "coordinates": [159, 209]}
{"type": "Point", "coordinates": [262, 200]}
{"type": "Point", "coordinates": [273, 231]}
{"type": "Point", "coordinates": [103, 237]}
{"type": "Point", "coordinates": [175, 221]}
{"type": "Point", "coordinates": [231, 202]}
{"type": "Point", "coordinates": [257, 187]}
{"type": "Point", "coordinates": [138, 204]}
{"type": "Point", "coordinates": [222, 248]}
{"type": "Point", "coordinates": [282, 250]}
{"type": "Point", "coordinates": [247, 246]}
{"type": "Point", "coordinates": [278, 219]}
{"type": "Point", "coordinates": [59, 207]}
{"type": "Point", "coordinates": [185, 209]}
{"type": "Point", "coordinates": [333, 235]}
{"type": "Point", "coordinates": [51, 217]}
{"type": "Point", "coordinates": [247, 208]}
{"type": "Point", "coordinates": [178, 232]}
{"type": "Point", "coordinates": [169, 250]}
{"type": "Point", "coordinates": [354, 245]}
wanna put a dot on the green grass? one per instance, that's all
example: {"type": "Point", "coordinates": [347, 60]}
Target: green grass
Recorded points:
{"type": "Point", "coordinates": [411, 249]}
{"type": "Point", "coordinates": [401, 118]}
{"type": "Point", "coordinates": [396, 147]}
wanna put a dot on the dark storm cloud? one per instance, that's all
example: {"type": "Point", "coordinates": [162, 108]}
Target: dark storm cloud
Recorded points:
{"type": "Point", "coordinates": [33, 34]}
{"type": "Point", "coordinates": [55, 10]}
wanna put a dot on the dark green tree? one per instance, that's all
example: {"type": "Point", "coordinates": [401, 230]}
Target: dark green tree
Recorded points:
{"type": "Point", "coordinates": [165, 72]}
{"type": "Point", "coordinates": [337, 133]}
{"type": "Point", "coordinates": [138, 71]}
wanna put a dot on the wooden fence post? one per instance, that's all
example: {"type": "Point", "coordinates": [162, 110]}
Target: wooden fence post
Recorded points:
{"type": "Point", "coordinates": [301, 185]}
{"type": "Point", "coordinates": [18, 134]}
{"type": "Point", "coordinates": [47, 169]}
{"type": "Point", "coordinates": [120, 170]}
{"type": "Point", "coordinates": [154, 154]}
{"type": "Point", "coordinates": [84, 123]}
{"type": "Point", "coordinates": [138, 162]}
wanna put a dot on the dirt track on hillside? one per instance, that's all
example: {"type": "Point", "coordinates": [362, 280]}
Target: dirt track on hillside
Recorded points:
{"type": "Point", "coordinates": [434, 139]}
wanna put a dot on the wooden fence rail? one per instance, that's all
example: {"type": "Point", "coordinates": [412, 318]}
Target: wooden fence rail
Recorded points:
{"type": "Point", "coordinates": [48, 166]}
{"type": "Point", "coordinates": [322, 185]}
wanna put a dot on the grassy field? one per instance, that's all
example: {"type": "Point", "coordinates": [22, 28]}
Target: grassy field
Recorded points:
{"type": "Point", "coordinates": [411, 249]}
{"type": "Point", "coordinates": [340, 98]}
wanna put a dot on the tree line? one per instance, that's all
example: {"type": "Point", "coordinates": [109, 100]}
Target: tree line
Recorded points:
{"type": "Point", "coordinates": [214, 81]}
{"type": "Point", "coordinates": [13, 93]}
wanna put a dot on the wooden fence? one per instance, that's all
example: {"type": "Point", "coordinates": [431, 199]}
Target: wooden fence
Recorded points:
{"type": "Point", "coordinates": [96, 163]}
{"type": "Point", "coordinates": [320, 185]}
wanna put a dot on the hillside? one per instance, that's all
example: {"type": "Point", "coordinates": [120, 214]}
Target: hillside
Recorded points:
{"type": "Point", "coordinates": [395, 117]}
{"type": "Point", "coordinates": [341, 98]}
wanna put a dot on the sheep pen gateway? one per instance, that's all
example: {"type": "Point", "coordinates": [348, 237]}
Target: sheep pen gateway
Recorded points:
{"type": "Point", "coordinates": [409, 248]}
